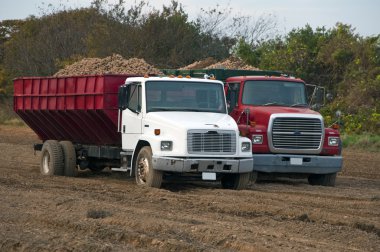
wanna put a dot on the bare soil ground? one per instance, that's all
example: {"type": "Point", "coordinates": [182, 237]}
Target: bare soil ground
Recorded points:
{"type": "Point", "coordinates": [108, 212]}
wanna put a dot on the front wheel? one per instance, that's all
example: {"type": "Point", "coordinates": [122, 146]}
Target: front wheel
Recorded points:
{"type": "Point", "coordinates": [144, 172]}
{"type": "Point", "coordinates": [322, 179]}
{"type": "Point", "coordinates": [237, 181]}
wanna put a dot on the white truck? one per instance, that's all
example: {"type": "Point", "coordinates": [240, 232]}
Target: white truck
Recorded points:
{"type": "Point", "coordinates": [167, 126]}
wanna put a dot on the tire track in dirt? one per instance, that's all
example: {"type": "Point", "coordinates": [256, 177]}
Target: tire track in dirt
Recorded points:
{"type": "Point", "coordinates": [108, 212]}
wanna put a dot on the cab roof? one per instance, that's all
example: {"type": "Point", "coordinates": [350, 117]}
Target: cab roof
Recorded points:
{"type": "Point", "coordinates": [166, 78]}
{"type": "Point", "coordinates": [280, 78]}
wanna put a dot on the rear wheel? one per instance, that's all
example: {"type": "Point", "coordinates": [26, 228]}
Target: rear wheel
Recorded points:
{"type": "Point", "coordinates": [70, 159]}
{"type": "Point", "coordinates": [51, 158]}
{"type": "Point", "coordinates": [144, 172]}
{"type": "Point", "coordinates": [237, 181]}
{"type": "Point", "coordinates": [322, 179]}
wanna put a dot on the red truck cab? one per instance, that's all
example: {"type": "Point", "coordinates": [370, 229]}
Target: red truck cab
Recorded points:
{"type": "Point", "coordinates": [288, 137]}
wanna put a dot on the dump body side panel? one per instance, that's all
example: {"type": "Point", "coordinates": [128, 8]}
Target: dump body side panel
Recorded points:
{"type": "Point", "coordinates": [81, 109]}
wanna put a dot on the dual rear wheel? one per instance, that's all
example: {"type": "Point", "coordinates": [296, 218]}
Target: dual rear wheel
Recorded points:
{"type": "Point", "coordinates": [58, 158]}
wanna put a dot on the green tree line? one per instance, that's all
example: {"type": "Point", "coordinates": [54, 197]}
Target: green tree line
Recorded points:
{"type": "Point", "coordinates": [345, 63]}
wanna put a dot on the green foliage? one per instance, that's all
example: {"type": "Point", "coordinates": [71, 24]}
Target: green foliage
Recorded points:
{"type": "Point", "coordinates": [347, 65]}
{"type": "Point", "coordinates": [7, 116]}
{"type": "Point", "coordinates": [245, 51]}
{"type": "Point", "coordinates": [363, 141]}
{"type": "Point", "coordinates": [363, 122]}
{"type": "Point", "coordinates": [165, 38]}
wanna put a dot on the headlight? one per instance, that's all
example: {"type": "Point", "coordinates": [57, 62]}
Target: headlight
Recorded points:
{"type": "Point", "coordinates": [257, 139]}
{"type": "Point", "coordinates": [245, 146]}
{"type": "Point", "coordinates": [333, 141]}
{"type": "Point", "coordinates": [166, 145]}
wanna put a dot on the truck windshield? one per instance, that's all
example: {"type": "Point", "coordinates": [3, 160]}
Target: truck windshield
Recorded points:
{"type": "Point", "coordinates": [184, 96]}
{"type": "Point", "coordinates": [274, 93]}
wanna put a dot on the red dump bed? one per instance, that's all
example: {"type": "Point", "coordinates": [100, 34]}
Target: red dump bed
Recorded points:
{"type": "Point", "coordinates": [81, 109]}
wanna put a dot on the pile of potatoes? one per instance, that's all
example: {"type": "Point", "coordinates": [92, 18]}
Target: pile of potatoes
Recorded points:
{"type": "Point", "coordinates": [232, 63]}
{"type": "Point", "coordinates": [200, 64]}
{"type": "Point", "coordinates": [114, 64]}
{"type": "Point", "coordinates": [211, 63]}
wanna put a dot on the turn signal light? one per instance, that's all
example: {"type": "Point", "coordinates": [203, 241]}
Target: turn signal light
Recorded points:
{"type": "Point", "coordinates": [335, 126]}
{"type": "Point", "coordinates": [157, 132]}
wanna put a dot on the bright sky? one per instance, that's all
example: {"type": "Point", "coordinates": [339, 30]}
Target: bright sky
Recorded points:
{"type": "Point", "coordinates": [361, 14]}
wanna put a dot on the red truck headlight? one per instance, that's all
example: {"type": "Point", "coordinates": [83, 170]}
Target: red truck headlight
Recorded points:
{"type": "Point", "coordinates": [333, 141]}
{"type": "Point", "coordinates": [257, 139]}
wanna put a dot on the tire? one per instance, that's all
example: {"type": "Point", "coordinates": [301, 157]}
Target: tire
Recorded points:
{"type": "Point", "coordinates": [70, 168]}
{"type": "Point", "coordinates": [51, 158]}
{"type": "Point", "coordinates": [322, 179]}
{"type": "Point", "coordinates": [237, 181]}
{"type": "Point", "coordinates": [144, 172]}
{"type": "Point", "coordinates": [253, 177]}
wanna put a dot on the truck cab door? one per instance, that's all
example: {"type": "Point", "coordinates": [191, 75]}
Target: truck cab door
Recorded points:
{"type": "Point", "coordinates": [132, 115]}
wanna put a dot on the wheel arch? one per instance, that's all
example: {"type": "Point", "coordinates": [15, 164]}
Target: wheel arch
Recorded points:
{"type": "Point", "coordinates": [139, 146]}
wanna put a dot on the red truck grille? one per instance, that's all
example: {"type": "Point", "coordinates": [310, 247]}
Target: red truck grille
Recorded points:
{"type": "Point", "coordinates": [295, 133]}
{"type": "Point", "coordinates": [211, 142]}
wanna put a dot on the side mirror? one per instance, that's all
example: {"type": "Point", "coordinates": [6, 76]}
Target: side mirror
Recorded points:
{"type": "Point", "coordinates": [338, 113]}
{"type": "Point", "coordinates": [246, 111]}
{"type": "Point", "coordinates": [123, 97]}
{"type": "Point", "coordinates": [316, 106]}
{"type": "Point", "coordinates": [329, 97]}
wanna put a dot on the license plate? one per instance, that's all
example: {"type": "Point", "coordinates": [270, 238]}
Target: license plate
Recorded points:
{"type": "Point", "coordinates": [208, 175]}
{"type": "Point", "coordinates": [296, 161]}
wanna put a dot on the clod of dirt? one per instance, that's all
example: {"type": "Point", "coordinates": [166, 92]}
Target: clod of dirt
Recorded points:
{"type": "Point", "coordinates": [369, 228]}
{"type": "Point", "coordinates": [114, 64]}
{"type": "Point", "coordinates": [98, 214]}
{"type": "Point", "coordinates": [304, 217]}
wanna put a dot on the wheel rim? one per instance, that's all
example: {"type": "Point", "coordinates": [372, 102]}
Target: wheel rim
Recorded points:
{"type": "Point", "coordinates": [142, 170]}
{"type": "Point", "coordinates": [45, 163]}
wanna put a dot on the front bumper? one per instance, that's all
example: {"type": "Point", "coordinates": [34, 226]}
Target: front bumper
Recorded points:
{"type": "Point", "coordinates": [281, 163]}
{"type": "Point", "coordinates": [202, 165]}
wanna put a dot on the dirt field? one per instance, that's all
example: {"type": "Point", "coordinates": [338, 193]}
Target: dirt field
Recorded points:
{"type": "Point", "coordinates": [108, 212]}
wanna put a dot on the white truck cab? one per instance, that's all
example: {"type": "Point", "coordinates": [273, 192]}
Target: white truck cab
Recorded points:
{"type": "Point", "coordinates": [175, 126]}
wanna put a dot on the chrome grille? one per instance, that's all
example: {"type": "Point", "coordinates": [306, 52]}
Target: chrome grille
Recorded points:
{"type": "Point", "coordinates": [297, 133]}
{"type": "Point", "coordinates": [211, 142]}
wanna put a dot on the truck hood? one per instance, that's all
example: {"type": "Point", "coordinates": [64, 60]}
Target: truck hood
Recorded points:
{"type": "Point", "coordinates": [262, 114]}
{"type": "Point", "coordinates": [192, 120]}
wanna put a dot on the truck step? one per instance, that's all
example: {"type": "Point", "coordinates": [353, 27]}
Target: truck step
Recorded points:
{"type": "Point", "coordinates": [121, 169]}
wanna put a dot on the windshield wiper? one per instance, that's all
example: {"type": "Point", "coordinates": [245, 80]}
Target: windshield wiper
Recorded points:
{"type": "Point", "coordinates": [162, 109]}
{"type": "Point", "coordinates": [299, 105]}
{"type": "Point", "coordinates": [191, 109]}
{"type": "Point", "coordinates": [273, 103]}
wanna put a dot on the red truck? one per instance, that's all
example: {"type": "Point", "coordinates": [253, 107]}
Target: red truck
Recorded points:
{"type": "Point", "coordinates": [288, 137]}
